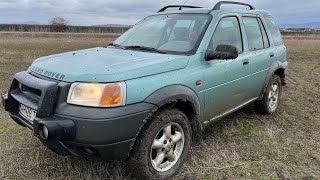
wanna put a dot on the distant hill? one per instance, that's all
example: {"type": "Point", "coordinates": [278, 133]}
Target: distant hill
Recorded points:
{"type": "Point", "coordinates": [24, 23]}
{"type": "Point", "coordinates": [113, 25]}
{"type": "Point", "coordinates": [31, 23]}
{"type": "Point", "coordinates": [312, 25]}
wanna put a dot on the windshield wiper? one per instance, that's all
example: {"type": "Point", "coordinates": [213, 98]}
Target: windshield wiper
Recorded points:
{"type": "Point", "coordinates": [118, 46]}
{"type": "Point", "coordinates": [143, 48]}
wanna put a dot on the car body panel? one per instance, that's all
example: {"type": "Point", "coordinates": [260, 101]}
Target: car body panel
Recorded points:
{"type": "Point", "coordinates": [139, 89]}
{"type": "Point", "coordinates": [106, 65]}
{"type": "Point", "coordinates": [226, 85]}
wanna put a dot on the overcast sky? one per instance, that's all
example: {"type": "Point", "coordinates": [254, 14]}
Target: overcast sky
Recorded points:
{"type": "Point", "coordinates": [95, 12]}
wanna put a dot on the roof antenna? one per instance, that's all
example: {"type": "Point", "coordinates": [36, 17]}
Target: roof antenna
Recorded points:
{"type": "Point", "coordinates": [183, 5]}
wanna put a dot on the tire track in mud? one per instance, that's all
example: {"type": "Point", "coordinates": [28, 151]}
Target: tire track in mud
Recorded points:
{"type": "Point", "coordinates": [298, 90]}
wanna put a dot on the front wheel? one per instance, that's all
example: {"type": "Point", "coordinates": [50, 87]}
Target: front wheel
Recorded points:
{"type": "Point", "coordinates": [271, 98]}
{"type": "Point", "coordinates": [162, 146]}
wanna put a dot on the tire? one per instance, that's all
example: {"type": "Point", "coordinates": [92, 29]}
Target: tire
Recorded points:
{"type": "Point", "coordinates": [271, 98]}
{"type": "Point", "coordinates": [154, 143]}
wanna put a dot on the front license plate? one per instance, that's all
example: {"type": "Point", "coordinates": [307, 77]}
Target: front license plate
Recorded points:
{"type": "Point", "coordinates": [27, 113]}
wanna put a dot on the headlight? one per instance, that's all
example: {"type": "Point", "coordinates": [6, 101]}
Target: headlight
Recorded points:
{"type": "Point", "coordinates": [97, 95]}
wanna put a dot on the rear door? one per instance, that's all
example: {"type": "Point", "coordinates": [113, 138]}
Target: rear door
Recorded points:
{"type": "Point", "coordinates": [261, 56]}
{"type": "Point", "coordinates": [277, 46]}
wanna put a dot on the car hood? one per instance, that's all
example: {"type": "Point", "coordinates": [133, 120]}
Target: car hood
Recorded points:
{"type": "Point", "coordinates": [106, 65]}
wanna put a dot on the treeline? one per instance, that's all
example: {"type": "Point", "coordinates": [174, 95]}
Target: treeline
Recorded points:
{"type": "Point", "coordinates": [297, 33]}
{"type": "Point", "coordinates": [114, 30]}
{"type": "Point", "coordinates": [63, 28]}
{"type": "Point", "coordinates": [300, 31]}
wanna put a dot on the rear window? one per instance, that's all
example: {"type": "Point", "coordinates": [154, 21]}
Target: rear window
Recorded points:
{"type": "Point", "coordinates": [266, 42]}
{"type": "Point", "coordinates": [274, 30]}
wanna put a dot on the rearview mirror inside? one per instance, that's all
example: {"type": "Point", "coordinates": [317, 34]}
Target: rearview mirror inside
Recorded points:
{"type": "Point", "coordinates": [223, 52]}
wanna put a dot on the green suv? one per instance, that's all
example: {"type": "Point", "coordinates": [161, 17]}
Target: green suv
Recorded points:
{"type": "Point", "coordinates": [147, 95]}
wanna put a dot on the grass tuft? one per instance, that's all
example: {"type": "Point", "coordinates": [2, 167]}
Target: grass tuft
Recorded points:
{"type": "Point", "coordinates": [244, 145]}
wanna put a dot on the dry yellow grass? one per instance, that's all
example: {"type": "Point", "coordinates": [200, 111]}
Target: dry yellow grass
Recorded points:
{"type": "Point", "coordinates": [244, 145]}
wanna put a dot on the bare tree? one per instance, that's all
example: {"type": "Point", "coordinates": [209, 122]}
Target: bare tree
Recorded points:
{"type": "Point", "coordinates": [58, 24]}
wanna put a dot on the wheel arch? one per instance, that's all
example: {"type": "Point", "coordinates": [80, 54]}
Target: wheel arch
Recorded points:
{"type": "Point", "coordinates": [277, 68]}
{"type": "Point", "coordinates": [281, 73]}
{"type": "Point", "coordinates": [182, 98]}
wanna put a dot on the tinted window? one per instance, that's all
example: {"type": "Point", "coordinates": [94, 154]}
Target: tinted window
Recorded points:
{"type": "Point", "coordinates": [274, 30]}
{"type": "Point", "coordinates": [254, 35]}
{"type": "Point", "coordinates": [227, 33]}
{"type": "Point", "coordinates": [174, 33]}
{"type": "Point", "coordinates": [266, 42]}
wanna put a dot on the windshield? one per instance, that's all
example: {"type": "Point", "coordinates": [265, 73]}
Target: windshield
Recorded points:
{"type": "Point", "coordinates": [173, 33]}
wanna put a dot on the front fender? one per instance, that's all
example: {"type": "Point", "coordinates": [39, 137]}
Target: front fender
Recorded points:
{"type": "Point", "coordinates": [173, 93]}
{"type": "Point", "coordinates": [177, 94]}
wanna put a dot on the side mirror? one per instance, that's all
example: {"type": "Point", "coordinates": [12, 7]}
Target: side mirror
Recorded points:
{"type": "Point", "coordinates": [223, 52]}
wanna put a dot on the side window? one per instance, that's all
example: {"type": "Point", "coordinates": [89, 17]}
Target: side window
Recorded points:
{"type": "Point", "coordinates": [266, 42]}
{"type": "Point", "coordinates": [254, 35]}
{"type": "Point", "coordinates": [274, 30]}
{"type": "Point", "coordinates": [227, 33]}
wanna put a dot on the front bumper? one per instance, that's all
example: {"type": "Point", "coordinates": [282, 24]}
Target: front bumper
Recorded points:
{"type": "Point", "coordinates": [105, 132]}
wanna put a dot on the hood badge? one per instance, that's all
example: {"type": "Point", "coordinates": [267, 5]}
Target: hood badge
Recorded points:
{"type": "Point", "coordinates": [199, 83]}
{"type": "Point", "coordinates": [49, 74]}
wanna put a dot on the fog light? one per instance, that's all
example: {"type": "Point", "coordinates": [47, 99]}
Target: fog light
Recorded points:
{"type": "Point", "coordinates": [45, 132]}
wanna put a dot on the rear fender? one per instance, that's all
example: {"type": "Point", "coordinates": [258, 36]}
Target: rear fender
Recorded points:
{"type": "Point", "coordinates": [274, 67]}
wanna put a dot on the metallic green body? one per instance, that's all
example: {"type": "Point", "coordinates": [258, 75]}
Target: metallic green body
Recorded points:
{"type": "Point", "coordinates": [226, 85]}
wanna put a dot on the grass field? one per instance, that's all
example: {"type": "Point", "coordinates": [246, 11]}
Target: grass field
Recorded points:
{"type": "Point", "coordinates": [244, 145]}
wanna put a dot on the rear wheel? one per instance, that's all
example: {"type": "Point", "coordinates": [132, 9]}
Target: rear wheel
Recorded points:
{"type": "Point", "coordinates": [271, 98]}
{"type": "Point", "coordinates": [162, 147]}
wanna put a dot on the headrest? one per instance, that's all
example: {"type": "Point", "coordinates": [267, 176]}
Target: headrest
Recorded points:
{"type": "Point", "coordinates": [181, 33]}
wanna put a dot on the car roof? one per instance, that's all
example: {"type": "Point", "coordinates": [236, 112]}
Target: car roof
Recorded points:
{"type": "Point", "coordinates": [215, 12]}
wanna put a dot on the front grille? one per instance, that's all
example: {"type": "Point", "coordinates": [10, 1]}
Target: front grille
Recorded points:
{"type": "Point", "coordinates": [33, 92]}
{"type": "Point", "coordinates": [30, 90]}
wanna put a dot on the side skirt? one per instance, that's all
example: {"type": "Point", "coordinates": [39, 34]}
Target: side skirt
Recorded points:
{"type": "Point", "coordinates": [206, 123]}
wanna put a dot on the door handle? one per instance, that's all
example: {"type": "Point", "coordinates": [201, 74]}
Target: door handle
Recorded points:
{"type": "Point", "coordinates": [245, 62]}
{"type": "Point", "coordinates": [272, 54]}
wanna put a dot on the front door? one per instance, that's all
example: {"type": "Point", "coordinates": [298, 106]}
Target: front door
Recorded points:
{"type": "Point", "coordinates": [226, 81]}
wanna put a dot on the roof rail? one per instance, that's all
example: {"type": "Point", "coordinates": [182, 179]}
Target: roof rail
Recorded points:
{"type": "Point", "coordinates": [177, 6]}
{"type": "Point", "coordinates": [218, 5]}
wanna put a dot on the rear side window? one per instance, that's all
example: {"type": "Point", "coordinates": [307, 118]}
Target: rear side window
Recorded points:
{"type": "Point", "coordinates": [265, 38]}
{"type": "Point", "coordinates": [227, 33]}
{"type": "Point", "coordinates": [254, 35]}
{"type": "Point", "coordinates": [274, 30]}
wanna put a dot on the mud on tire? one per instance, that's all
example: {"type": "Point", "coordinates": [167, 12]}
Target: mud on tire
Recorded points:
{"type": "Point", "coordinates": [271, 97]}
{"type": "Point", "coordinates": [141, 163]}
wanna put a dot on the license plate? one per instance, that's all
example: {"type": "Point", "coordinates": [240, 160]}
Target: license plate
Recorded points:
{"type": "Point", "coordinates": [27, 113]}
